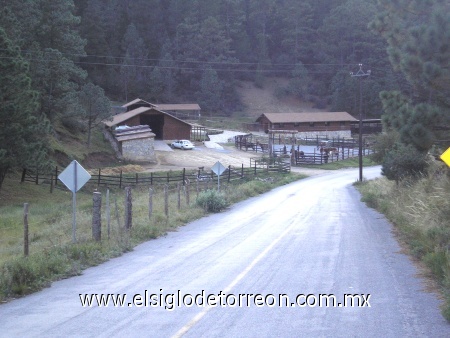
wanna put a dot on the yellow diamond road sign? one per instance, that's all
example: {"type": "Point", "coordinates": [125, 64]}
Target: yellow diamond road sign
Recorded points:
{"type": "Point", "coordinates": [446, 157]}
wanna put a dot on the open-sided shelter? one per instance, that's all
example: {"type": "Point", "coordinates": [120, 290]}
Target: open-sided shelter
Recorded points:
{"type": "Point", "coordinates": [163, 125]}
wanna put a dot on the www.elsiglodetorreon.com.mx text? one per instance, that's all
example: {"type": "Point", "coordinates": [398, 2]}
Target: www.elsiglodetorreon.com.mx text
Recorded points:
{"type": "Point", "coordinates": [178, 299]}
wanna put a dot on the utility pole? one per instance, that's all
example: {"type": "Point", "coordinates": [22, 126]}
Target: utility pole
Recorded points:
{"type": "Point", "coordinates": [360, 74]}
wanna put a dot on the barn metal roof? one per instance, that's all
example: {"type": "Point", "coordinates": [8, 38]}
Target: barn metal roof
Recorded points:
{"type": "Point", "coordinates": [183, 106]}
{"type": "Point", "coordinates": [138, 101]}
{"type": "Point", "coordinates": [308, 117]}
{"type": "Point", "coordinates": [122, 117]}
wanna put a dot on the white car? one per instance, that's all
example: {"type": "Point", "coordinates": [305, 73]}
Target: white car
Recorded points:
{"type": "Point", "coordinates": [182, 144]}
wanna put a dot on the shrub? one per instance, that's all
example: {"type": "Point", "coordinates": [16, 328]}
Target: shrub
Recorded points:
{"type": "Point", "coordinates": [212, 200]}
{"type": "Point", "coordinates": [404, 161]}
{"type": "Point", "coordinates": [383, 144]}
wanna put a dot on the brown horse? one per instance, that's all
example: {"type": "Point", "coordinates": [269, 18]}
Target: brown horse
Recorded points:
{"type": "Point", "coordinates": [329, 151]}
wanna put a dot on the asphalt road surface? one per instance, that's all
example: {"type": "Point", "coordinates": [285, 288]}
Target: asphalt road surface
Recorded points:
{"type": "Point", "coordinates": [308, 238]}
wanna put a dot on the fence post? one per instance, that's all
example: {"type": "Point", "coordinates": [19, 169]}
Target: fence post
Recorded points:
{"type": "Point", "coordinates": [117, 212]}
{"type": "Point", "coordinates": [166, 200]}
{"type": "Point", "coordinates": [108, 214]}
{"type": "Point", "coordinates": [229, 173]}
{"type": "Point", "coordinates": [99, 176]}
{"type": "Point", "coordinates": [188, 197]}
{"type": "Point", "coordinates": [128, 208]}
{"type": "Point", "coordinates": [184, 176]}
{"type": "Point", "coordinates": [97, 216]}
{"type": "Point", "coordinates": [179, 195]}
{"type": "Point", "coordinates": [120, 179]}
{"type": "Point", "coordinates": [137, 178]}
{"type": "Point", "coordinates": [150, 202]}
{"type": "Point", "coordinates": [25, 229]}
{"type": "Point", "coordinates": [24, 172]}
{"type": "Point", "coordinates": [151, 178]}
{"type": "Point", "coordinates": [168, 177]}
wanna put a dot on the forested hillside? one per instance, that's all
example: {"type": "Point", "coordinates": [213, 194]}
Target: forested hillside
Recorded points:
{"type": "Point", "coordinates": [79, 55]}
{"type": "Point", "coordinates": [184, 51]}
{"type": "Point", "coordinates": [194, 51]}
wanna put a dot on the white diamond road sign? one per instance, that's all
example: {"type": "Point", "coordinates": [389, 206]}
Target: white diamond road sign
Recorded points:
{"type": "Point", "coordinates": [218, 168]}
{"type": "Point", "coordinates": [74, 176]}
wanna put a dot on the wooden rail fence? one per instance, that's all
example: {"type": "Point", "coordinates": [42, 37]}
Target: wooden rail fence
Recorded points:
{"type": "Point", "coordinates": [134, 179]}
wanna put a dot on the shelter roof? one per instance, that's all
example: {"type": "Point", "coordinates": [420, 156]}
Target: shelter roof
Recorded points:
{"type": "Point", "coordinates": [308, 117]}
{"type": "Point", "coordinates": [122, 117]}
{"type": "Point", "coordinates": [183, 106]}
{"type": "Point", "coordinates": [136, 101]}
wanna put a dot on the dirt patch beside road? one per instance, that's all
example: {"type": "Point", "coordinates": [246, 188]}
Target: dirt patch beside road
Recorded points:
{"type": "Point", "coordinates": [201, 156]}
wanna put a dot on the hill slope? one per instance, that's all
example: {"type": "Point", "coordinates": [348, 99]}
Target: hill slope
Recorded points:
{"type": "Point", "coordinates": [258, 101]}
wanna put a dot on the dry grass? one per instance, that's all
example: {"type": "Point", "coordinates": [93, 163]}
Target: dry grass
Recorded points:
{"type": "Point", "coordinates": [420, 210]}
{"type": "Point", "coordinates": [52, 254]}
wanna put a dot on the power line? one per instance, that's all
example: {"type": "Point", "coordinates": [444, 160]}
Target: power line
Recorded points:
{"type": "Point", "coordinates": [232, 63]}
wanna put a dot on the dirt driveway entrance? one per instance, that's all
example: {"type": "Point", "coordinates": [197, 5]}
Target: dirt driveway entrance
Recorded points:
{"type": "Point", "coordinates": [200, 156]}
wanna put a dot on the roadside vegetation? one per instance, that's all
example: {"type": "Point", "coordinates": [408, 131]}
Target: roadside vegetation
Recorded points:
{"type": "Point", "coordinates": [348, 163]}
{"type": "Point", "coordinates": [52, 254]}
{"type": "Point", "coordinates": [414, 195]}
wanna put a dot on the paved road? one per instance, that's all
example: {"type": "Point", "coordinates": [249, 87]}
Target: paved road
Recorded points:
{"type": "Point", "coordinates": [310, 237]}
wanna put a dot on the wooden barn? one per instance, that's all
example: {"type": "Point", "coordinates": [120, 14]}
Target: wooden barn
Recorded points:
{"type": "Point", "coordinates": [331, 123]}
{"type": "Point", "coordinates": [185, 111]}
{"type": "Point", "coordinates": [163, 125]}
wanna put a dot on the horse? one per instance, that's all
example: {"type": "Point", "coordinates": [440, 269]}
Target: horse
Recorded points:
{"type": "Point", "coordinates": [329, 151]}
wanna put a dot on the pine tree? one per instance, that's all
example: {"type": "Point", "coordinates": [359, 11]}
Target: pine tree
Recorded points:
{"type": "Point", "coordinates": [133, 70]}
{"type": "Point", "coordinates": [419, 47]}
{"type": "Point", "coordinates": [23, 130]}
{"type": "Point", "coordinates": [210, 91]}
{"type": "Point", "coordinates": [95, 107]}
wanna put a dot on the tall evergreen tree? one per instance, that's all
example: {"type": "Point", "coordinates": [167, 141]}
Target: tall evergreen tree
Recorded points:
{"type": "Point", "coordinates": [210, 91]}
{"type": "Point", "coordinates": [23, 129]}
{"type": "Point", "coordinates": [95, 107]}
{"type": "Point", "coordinates": [133, 70]}
{"type": "Point", "coordinates": [419, 47]}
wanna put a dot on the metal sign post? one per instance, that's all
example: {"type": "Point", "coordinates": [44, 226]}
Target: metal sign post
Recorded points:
{"type": "Point", "coordinates": [74, 178]}
{"type": "Point", "coordinates": [218, 169]}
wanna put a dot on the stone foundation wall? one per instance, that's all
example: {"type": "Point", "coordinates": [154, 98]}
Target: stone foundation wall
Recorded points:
{"type": "Point", "coordinates": [141, 150]}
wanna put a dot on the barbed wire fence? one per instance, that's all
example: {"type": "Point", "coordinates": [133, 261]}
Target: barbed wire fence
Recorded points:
{"type": "Point", "coordinates": [113, 206]}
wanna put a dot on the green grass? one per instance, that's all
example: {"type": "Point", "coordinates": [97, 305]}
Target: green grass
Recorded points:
{"type": "Point", "coordinates": [348, 163]}
{"type": "Point", "coordinates": [52, 253]}
{"type": "Point", "coordinates": [420, 210]}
